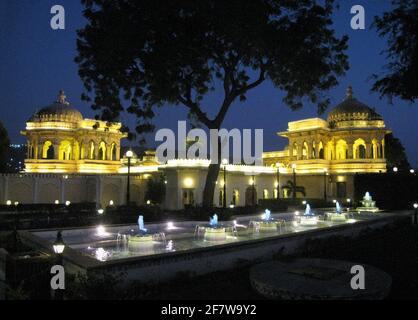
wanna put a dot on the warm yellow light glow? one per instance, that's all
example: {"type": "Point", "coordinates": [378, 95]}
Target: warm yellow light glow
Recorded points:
{"type": "Point", "coordinates": [148, 201]}
{"type": "Point", "coordinates": [56, 202]}
{"type": "Point", "coordinates": [251, 181]}
{"type": "Point", "coordinates": [341, 179]}
{"type": "Point", "coordinates": [129, 154]}
{"type": "Point", "coordinates": [222, 183]}
{"type": "Point", "coordinates": [276, 184]}
{"type": "Point", "coordinates": [224, 162]}
{"type": "Point", "coordinates": [67, 203]}
{"type": "Point", "coordinates": [294, 166]}
{"type": "Point", "coordinates": [188, 182]}
{"type": "Point", "coordinates": [9, 202]}
{"type": "Point", "coordinates": [16, 203]}
{"type": "Point", "coordinates": [100, 211]}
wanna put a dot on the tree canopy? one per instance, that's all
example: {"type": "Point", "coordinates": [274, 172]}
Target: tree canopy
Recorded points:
{"type": "Point", "coordinates": [400, 27]}
{"type": "Point", "coordinates": [137, 55]}
{"type": "Point", "coordinates": [395, 153]}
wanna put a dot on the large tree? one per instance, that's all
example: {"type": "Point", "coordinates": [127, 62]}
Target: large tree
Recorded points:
{"type": "Point", "coordinates": [400, 27]}
{"type": "Point", "coordinates": [4, 148]}
{"type": "Point", "coordinates": [395, 153]}
{"type": "Point", "coordinates": [136, 55]}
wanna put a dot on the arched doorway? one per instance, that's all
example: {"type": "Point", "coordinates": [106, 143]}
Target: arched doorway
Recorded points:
{"type": "Point", "coordinates": [341, 150]}
{"type": "Point", "coordinates": [65, 150]}
{"type": "Point", "coordinates": [102, 151]}
{"type": "Point", "coordinates": [250, 196]}
{"type": "Point", "coordinates": [48, 150]}
{"type": "Point", "coordinates": [359, 149]}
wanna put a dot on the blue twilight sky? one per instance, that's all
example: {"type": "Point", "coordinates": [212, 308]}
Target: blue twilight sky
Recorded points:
{"type": "Point", "coordinates": [36, 61]}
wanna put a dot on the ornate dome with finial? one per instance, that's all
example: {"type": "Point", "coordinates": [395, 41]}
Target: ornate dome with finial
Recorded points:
{"type": "Point", "coordinates": [59, 111]}
{"type": "Point", "coordinates": [351, 110]}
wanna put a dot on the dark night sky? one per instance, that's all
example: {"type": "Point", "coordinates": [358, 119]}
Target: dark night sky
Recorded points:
{"type": "Point", "coordinates": [37, 61]}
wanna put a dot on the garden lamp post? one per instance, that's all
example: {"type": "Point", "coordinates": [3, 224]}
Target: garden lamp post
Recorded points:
{"type": "Point", "coordinates": [294, 181]}
{"type": "Point", "coordinates": [129, 154]}
{"type": "Point", "coordinates": [59, 246]}
{"type": "Point", "coordinates": [416, 213]}
{"type": "Point", "coordinates": [224, 163]}
{"type": "Point", "coordinates": [278, 182]}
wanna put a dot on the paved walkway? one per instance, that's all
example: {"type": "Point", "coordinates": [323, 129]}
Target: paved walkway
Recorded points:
{"type": "Point", "coordinates": [317, 279]}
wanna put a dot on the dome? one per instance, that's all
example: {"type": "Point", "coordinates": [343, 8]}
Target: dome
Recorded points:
{"type": "Point", "coordinates": [351, 109]}
{"type": "Point", "coordinates": [60, 111]}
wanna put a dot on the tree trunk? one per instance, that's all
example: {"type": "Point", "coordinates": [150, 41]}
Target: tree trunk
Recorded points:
{"type": "Point", "coordinates": [208, 192]}
{"type": "Point", "coordinates": [211, 177]}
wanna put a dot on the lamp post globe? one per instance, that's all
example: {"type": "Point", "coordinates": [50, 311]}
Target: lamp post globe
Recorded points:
{"type": "Point", "coordinates": [59, 244]}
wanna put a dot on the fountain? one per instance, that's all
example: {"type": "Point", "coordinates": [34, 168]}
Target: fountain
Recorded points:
{"type": "Point", "coordinates": [338, 215]}
{"type": "Point", "coordinates": [143, 238]}
{"type": "Point", "coordinates": [215, 231]}
{"type": "Point", "coordinates": [267, 223]}
{"type": "Point", "coordinates": [367, 204]}
{"type": "Point", "coordinates": [212, 231]}
{"type": "Point", "coordinates": [308, 219]}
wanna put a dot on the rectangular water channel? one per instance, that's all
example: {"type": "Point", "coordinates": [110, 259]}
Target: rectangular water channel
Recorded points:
{"type": "Point", "coordinates": [101, 247]}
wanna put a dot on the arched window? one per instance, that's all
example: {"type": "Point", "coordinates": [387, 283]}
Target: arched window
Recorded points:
{"type": "Point", "coordinates": [48, 150]}
{"type": "Point", "coordinates": [341, 150]}
{"type": "Point", "coordinates": [102, 151]}
{"type": "Point", "coordinates": [321, 153]}
{"type": "Point", "coordinates": [235, 197]}
{"type": "Point", "coordinates": [265, 194]}
{"type": "Point", "coordinates": [65, 150]}
{"type": "Point", "coordinates": [305, 150]}
{"type": "Point", "coordinates": [359, 149]}
{"type": "Point", "coordinates": [361, 152]}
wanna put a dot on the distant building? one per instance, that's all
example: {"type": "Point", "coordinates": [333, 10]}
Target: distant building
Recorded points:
{"type": "Point", "coordinates": [70, 158]}
{"type": "Point", "coordinates": [60, 140]}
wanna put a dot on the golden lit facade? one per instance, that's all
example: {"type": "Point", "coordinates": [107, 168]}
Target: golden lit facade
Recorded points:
{"type": "Point", "coordinates": [351, 140]}
{"type": "Point", "coordinates": [60, 140]}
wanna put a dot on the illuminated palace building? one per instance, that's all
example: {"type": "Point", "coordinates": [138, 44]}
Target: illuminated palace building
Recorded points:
{"type": "Point", "coordinates": [73, 159]}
